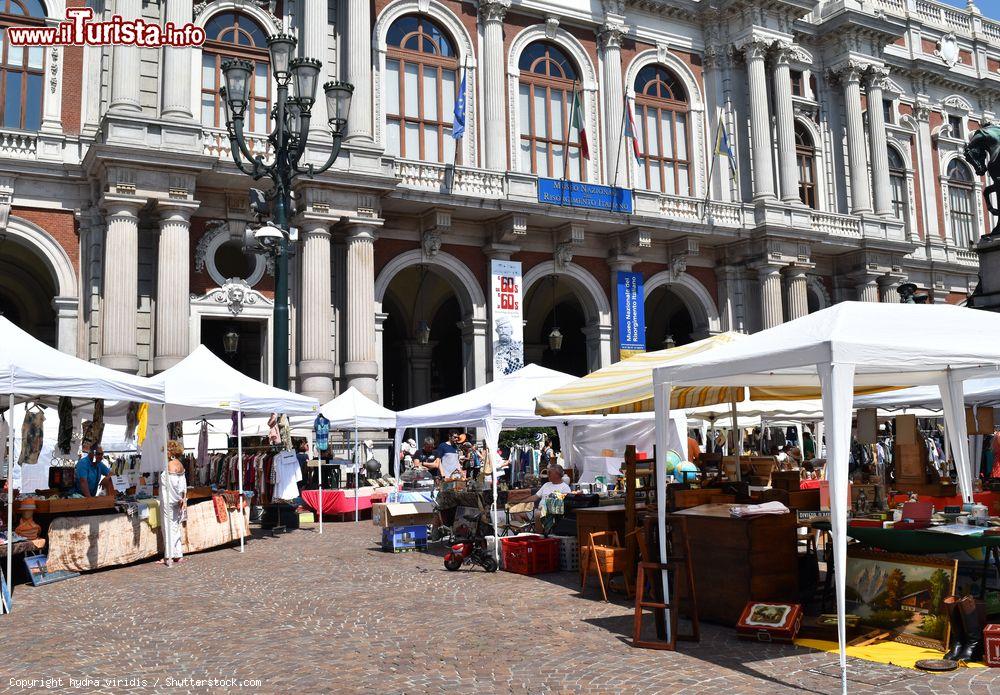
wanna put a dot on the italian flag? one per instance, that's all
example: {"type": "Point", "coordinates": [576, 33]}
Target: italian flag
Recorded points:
{"type": "Point", "coordinates": [580, 124]}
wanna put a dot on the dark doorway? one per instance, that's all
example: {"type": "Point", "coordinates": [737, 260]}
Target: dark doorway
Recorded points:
{"type": "Point", "coordinates": [249, 356]}
{"type": "Point", "coordinates": [668, 320]}
{"type": "Point", "coordinates": [572, 357]}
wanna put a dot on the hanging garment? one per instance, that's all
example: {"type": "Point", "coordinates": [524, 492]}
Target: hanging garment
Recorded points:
{"type": "Point", "coordinates": [65, 436]}
{"type": "Point", "coordinates": [203, 444]}
{"type": "Point", "coordinates": [995, 448]}
{"type": "Point", "coordinates": [175, 431]}
{"type": "Point", "coordinates": [322, 429]}
{"type": "Point", "coordinates": [32, 433]}
{"type": "Point", "coordinates": [285, 431]}
{"type": "Point", "coordinates": [98, 421]}
{"type": "Point", "coordinates": [4, 441]}
{"type": "Point", "coordinates": [131, 421]}
{"type": "Point", "coordinates": [237, 427]}
{"type": "Point", "coordinates": [273, 434]}
{"type": "Point", "coordinates": [142, 422]}
{"type": "Point", "coordinates": [287, 473]}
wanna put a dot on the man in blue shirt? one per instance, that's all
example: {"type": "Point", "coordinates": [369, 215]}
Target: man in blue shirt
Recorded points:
{"type": "Point", "coordinates": [89, 470]}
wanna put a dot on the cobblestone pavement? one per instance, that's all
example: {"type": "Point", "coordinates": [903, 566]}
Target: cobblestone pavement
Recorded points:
{"type": "Point", "coordinates": [310, 613]}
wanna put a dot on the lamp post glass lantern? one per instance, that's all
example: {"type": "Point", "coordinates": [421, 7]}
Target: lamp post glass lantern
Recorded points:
{"type": "Point", "coordinates": [288, 140]}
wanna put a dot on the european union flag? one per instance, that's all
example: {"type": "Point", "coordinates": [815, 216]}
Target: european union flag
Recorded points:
{"type": "Point", "coordinates": [458, 123]}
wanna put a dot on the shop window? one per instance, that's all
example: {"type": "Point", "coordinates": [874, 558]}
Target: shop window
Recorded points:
{"type": "Point", "coordinates": [805, 155]}
{"type": "Point", "coordinates": [888, 111]}
{"type": "Point", "coordinates": [421, 85]}
{"type": "Point", "coordinates": [663, 121]}
{"type": "Point", "coordinates": [960, 199]}
{"type": "Point", "coordinates": [22, 68]}
{"type": "Point", "coordinates": [548, 84]}
{"type": "Point", "coordinates": [955, 127]}
{"type": "Point", "coordinates": [234, 35]}
{"type": "Point", "coordinates": [897, 180]}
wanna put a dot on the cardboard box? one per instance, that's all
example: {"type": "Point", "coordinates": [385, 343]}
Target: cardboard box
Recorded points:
{"type": "Point", "coordinates": [387, 515]}
{"type": "Point", "coordinates": [991, 634]}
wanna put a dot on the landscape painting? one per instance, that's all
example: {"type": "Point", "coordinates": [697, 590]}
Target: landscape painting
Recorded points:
{"type": "Point", "coordinates": [901, 594]}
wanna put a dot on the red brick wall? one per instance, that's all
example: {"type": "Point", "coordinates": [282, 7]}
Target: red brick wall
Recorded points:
{"type": "Point", "coordinates": [60, 224]}
{"type": "Point", "coordinates": [471, 257]}
{"type": "Point", "coordinates": [992, 64]}
{"type": "Point", "coordinates": [928, 45]}
{"type": "Point", "coordinates": [72, 82]}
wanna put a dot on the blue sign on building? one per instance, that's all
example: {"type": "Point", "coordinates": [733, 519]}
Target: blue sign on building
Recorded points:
{"type": "Point", "coordinates": [584, 195]}
{"type": "Point", "coordinates": [631, 314]}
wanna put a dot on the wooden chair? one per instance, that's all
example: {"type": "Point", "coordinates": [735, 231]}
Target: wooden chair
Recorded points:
{"type": "Point", "coordinates": [674, 563]}
{"type": "Point", "coordinates": [606, 560]}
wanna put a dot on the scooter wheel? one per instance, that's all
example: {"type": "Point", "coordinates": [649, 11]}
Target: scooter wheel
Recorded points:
{"type": "Point", "coordinates": [452, 562]}
{"type": "Point", "coordinates": [490, 564]}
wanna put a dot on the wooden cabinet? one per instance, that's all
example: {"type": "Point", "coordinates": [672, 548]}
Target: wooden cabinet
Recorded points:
{"type": "Point", "coordinates": [738, 560]}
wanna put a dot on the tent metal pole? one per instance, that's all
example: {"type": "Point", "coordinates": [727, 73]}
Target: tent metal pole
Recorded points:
{"type": "Point", "coordinates": [737, 439]}
{"type": "Point", "coordinates": [239, 469]}
{"type": "Point", "coordinates": [320, 512]}
{"type": "Point", "coordinates": [10, 487]}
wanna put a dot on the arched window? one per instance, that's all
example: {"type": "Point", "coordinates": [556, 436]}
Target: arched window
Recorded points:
{"type": "Point", "coordinates": [233, 35]}
{"type": "Point", "coordinates": [805, 155]}
{"type": "Point", "coordinates": [897, 179]}
{"type": "Point", "coordinates": [661, 106]}
{"type": "Point", "coordinates": [550, 145]}
{"type": "Point", "coordinates": [22, 68]}
{"type": "Point", "coordinates": [421, 82]}
{"type": "Point", "coordinates": [960, 197]}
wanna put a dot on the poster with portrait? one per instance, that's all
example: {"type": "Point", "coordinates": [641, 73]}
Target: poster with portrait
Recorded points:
{"type": "Point", "coordinates": [507, 322]}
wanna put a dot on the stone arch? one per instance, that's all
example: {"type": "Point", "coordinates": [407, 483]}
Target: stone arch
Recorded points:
{"type": "Point", "coordinates": [696, 107]}
{"type": "Point", "coordinates": [695, 297]}
{"type": "Point", "coordinates": [466, 58]}
{"type": "Point", "coordinates": [32, 236]}
{"type": "Point", "coordinates": [818, 290]}
{"type": "Point", "coordinates": [471, 297]}
{"type": "Point", "coordinates": [585, 286]}
{"type": "Point", "coordinates": [588, 75]}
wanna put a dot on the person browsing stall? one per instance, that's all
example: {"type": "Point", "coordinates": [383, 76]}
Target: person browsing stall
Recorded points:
{"type": "Point", "coordinates": [555, 484]}
{"type": "Point", "coordinates": [89, 472]}
{"type": "Point", "coordinates": [427, 456]}
{"type": "Point", "coordinates": [449, 462]}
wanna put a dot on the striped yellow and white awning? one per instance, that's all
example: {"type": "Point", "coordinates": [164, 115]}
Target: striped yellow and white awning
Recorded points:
{"type": "Point", "coordinates": [627, 386]}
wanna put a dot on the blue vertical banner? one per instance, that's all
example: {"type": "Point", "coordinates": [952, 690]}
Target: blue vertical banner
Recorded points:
{"type": "Point", "coordinates": [631, 314]}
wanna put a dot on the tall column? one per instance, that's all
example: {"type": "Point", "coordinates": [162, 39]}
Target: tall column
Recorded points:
{"type": "Point", "coordinates": [494, 110]}
{"type": "Point", "coordinates": [67, 322]}
{"type": "Point", "coordinates": [762, 148]}
{"type": "Point", "coordinates": [786, 125]}
{"type": "Point", "coordinates": [887, 287]}
{"type": "Point", "coordinates": [598, 337]}
{"type": "Point", "coordinates": [798, 292]}
{"type": "Point", "coordinates": [925, 170]}
{"type": "Point", "coordinates": [361, 367]}
{"type": "Point", "coordinates": [876, 134]}
{"type": "Point", "coordinates": [359, 69]}
{"type": "Point", "coordinates": [315, 25]}
{"type": "Point", "coordinates": [850, 77]}
{"type": "Point", "coordinates": [125, 64]}
{"type": "Point", "coordinates": [474, 351]}
{"type": "Point", "coordinates": [771, 307]}
{"type": "Point", "coordinates": [121, 284]}
{"type": "Point", "coordinates": [173, 284]}
{"type": "Point", "coordinates": [614, 104]}
{"type": "Point", "coordinates": [419, 375]}
{"type": "Point", "coordinates": [868, 290]}
{"type": "Point", "coordinates": [177, 66]}
{"type": "Point", "coordinates": [315, 362]}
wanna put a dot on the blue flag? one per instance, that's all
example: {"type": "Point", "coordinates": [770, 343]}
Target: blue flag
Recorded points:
{"type": "Point", "coordinates": [458, 123]}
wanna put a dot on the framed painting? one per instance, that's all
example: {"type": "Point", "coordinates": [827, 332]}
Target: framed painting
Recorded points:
{"type": "Point", "coordinates": [902, 594]}
{"type": "Point", "coordinates": [38, 571]}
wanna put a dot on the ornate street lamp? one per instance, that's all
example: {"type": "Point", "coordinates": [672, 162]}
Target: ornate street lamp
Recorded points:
{"type": "Point", "coordinates": [288, 140]}
{"type": "Point", "coordinates": [231, 342]}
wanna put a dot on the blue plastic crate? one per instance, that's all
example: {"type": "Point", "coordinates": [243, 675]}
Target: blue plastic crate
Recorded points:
{"type": "Point", "coordinates": [398, 539]}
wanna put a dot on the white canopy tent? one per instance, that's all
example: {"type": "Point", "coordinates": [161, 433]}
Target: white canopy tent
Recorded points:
{"type": "Point", "coordinates": [851, 346]}
{"type": "Point", "coordinates": [351, 410]}
{"type": "Point", "coordinates": [30, 368]}
{"type": "Point", "coordinates": [203, 386]}
{"type": "Point", "coordinates": [977, 392]}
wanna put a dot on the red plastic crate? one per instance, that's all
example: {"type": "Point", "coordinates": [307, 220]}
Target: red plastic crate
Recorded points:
{"type": "Point", "coordinates": [530, 554]}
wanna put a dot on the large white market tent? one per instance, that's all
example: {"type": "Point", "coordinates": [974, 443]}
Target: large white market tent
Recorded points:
{"type": "Point", "coordinates": [30, 368]}
{"type": "Point", "coordinates": [977, 392]}
{"type": "Point", "coordinates": [351, 410]}
{"type": "Point", "coordinates": [203, 386]}
{"type": "Point", "coordinates": [844, 348]}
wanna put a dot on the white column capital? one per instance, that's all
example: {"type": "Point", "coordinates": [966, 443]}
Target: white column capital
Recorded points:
{"type": "Point", "coordinates": [493, 10]}
{"type": "Point", "coordinates": [122, 207]}
{"type": "Point", "coordinates": [611, 34]}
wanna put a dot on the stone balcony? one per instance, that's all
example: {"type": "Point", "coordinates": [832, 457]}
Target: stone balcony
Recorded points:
{"type": "Point", "coordinates": [946, 17]}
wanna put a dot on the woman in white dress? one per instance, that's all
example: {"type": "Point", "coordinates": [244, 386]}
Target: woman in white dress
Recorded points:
{"type": "Point", "coordinates": [173, 494]}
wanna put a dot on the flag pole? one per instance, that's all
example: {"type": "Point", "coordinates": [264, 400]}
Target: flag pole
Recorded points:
{"type": "Point", "coordinates": [621, 140]}
{"type": "Point", "coordinates": [569, 129]}
{"type": "Point", "coordinates": [711, 171]}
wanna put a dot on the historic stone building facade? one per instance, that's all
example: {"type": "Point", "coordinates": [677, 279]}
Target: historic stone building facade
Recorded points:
{"type": "Point", "coordinates": [123, 215]}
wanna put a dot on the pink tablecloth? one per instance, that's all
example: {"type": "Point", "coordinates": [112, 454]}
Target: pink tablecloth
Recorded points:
{"type": "Point", "coordinates": [335, 501]}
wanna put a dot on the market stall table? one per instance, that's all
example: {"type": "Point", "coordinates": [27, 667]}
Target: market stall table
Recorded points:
{"type": "Point", "coordinates": [341, 502]}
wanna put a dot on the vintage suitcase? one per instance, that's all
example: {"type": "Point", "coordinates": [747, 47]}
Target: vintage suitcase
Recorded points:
{"type": "Point", "coordinates": [991, 655]}
{"type": "Point", "coordinates": [770, 622]}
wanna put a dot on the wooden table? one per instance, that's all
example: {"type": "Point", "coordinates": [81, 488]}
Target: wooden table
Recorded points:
{"type": "Point", "coordinates": [69, 505]}
{"type": "Point", "coordinates": [738, 560]}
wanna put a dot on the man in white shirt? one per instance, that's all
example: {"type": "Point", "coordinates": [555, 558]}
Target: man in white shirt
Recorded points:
{"type": "Point", "coordinates": [554, 484]}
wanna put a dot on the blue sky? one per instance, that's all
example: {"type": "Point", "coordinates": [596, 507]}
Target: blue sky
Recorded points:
{"type": "Point", "coordinates": [990, 8]}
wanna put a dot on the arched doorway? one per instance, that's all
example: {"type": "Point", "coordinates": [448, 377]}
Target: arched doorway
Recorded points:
{"type": "Point", "coordinates": [668, 320]}
{"type": "Point", "coordinates": [27, 289]}
{"type": "Point", "coordinates": [422, 345]}
{"type": "Point", "coordinates": [551, 303]}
